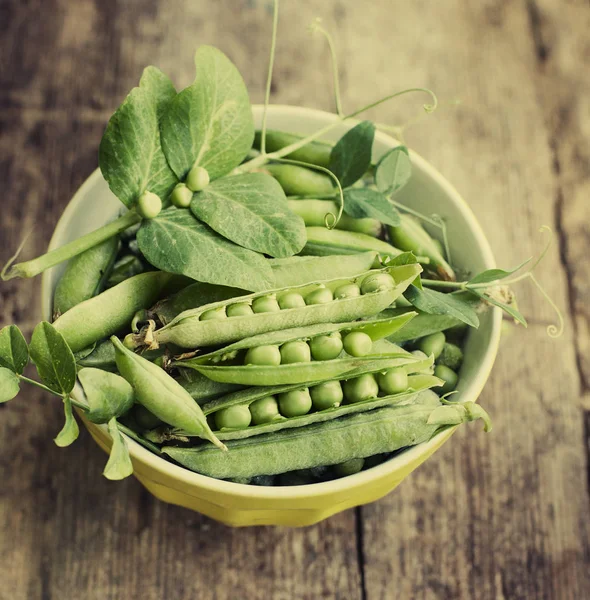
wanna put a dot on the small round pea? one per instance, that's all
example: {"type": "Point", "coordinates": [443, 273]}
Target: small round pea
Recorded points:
{"type": "Point", "coordinates": [326, 395]}
{"type": "Point", "coordinates": [357, 343]}
{"type": "Point", "coordinates": [432, 344]}
{"type": "Point", "coordinates": [291, 300]}
{"type": "Point", "coordinates": [295, 403]}
{"type": "Point", "coordinates": [213, 314]}
{"type": "Point", "coordinates": [349, 467]}
{"type": "Point", "coordinates": [181, 196]}
{"type": "Point", "coordinates": [264, 410]}
{"type": "Point", "coordinates": [319, 296]}
{"type": "Point", "coordinates": [361, 388]}
{"type": "Point", "coordinates": [448, 376]}
{"type": "Point", "coordinates": [241, 309]}
{"type": "Point", "coordinates": [295, 352]}
{"type": "Point", "coordinates": [265, 304]}
{"type": "Point", "coordinates": [149, 205]}
{"type": "Point", "coordinates": [377, 282]}
{"type": "Point", "coordinates": [348, 290]}
{"type": "Point", "coordinates": [197, 179]}
{"type": "Point", "coordinates": [325, 347]}
{"type": "Point", "coordinates": [393, 381]}
{"type": "Point", "coordinates": [144, 418]}
{"type": "Point", "coordinates": [263, 355]}
{"type": "Point", "coordinates": [234, 417]}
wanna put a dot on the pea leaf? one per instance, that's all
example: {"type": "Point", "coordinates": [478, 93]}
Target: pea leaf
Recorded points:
{"type": "Point", "coordinates": [9, 385]}
{"type": "Point", "coordinates": [14, 352]}
{"type": "Point", "coordinates": [495, 274]}
{"type": "Point", "coordinates": [437, 303]}
{"type": "Point", "coordinates": [130, 154]}
{"type": "Point", "coordinates": [259, 216]}
{"type": "Point", "coordinates": [351, 156]}
{"type": "Point", "coordinates": [119, 464]}
{"type": "Point", "coordinates": [70, 431]}
{"type": "Point", "coordinates": [108, 395]}
{"type": "Point", "coordinates": [511, 310]}
{"type": "Point", "coordinates": [364, 202]}
{"type": "Point", "coordinates": [53, 358]}
{"type": "Point", "coordinates": [405, 258]}
{"type": "Point", "coordinates": [393, 171]}
{"type": "Point", "coordinates": [178, 243]}
{"type": "Point", "coordinates": [210, 122]}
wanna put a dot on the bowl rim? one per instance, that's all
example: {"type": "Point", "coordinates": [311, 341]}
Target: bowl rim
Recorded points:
{"type": "Point", "coordinates": [193, 479]}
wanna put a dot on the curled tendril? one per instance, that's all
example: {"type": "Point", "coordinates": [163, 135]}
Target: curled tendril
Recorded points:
{"type": "Point", "coordinates": [330, 220]}
{"type": "Point", "coordinates": [4, 274]}
{"type": "Point", "coordinates": [553, 331]}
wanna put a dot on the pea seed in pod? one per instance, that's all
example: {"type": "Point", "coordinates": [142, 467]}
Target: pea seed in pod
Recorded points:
{"type": "Point", "coordinates": [357, 343]}
{"type": "Point", "coordinates": [350, 467]}
{"type": "Point", "coordinates": [319, 296]}
{"type": "Point", "coordinates": [377, 282]}
{"type": "Point", "coordinates": [325, 347]}
{"type": "Point", "coordinates": [295, 403]}
{"type": "Point", "coordinates": [263, 355]}
{"type": "Point", "coordinates": [348, 290]}
{"type": "Point", "coordinates": [264, 410]}
{"type": "Point", "coordinates": [448, 376]}
{"type": "Point", "coordinates": [149, 205]}
{"type": "Point", "coordinates": [451, 356]}
{"type": "Point", "coordinates": [233, 417]}
{"type": "Point", "coordinates": [197, 179]}
{"type": "Point", "coordinates": [432, 344]}
{"type": "Point", "coordinates": [291, 300]}
{"type": "Point", "coordinates": [265, 304]}
{"type": "Point", "coordinates": [241, 309]}
{"type": "Point", "coordinates": [393, 381]}
{"type": "Point", "coordinates": [181, 196]}
{"type": "Point", "coordinates": [361, 388]}
{"type": "Point", "coordinates": [326, 395]}
{"type": "Point", "coordinates": [295, 352]}
{"type": "Point", "coordinates": [213, 314]}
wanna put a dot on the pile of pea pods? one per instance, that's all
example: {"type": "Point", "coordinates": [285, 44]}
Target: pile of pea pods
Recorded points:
{"type": "Point", "coordinates": [330, 373]}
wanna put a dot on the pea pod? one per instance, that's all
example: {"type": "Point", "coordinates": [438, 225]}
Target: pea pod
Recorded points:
{"type": "Point", "coordinates": [411, 236]}
{"type": "Point", "coordinates": [202, 389]}
{"type": "Point", "coordinates": [300, 181]}
{"type": "Point", "coordinates": [105, 314]}
{"type": "Point", "coordinates": [103, 356]}
{"type": "Point", "coordinates": [313, 213]}
{"type": "Point", "coordinates": [332, 442]}
{"type": "Point", "coordinates": [315, 153]}
{"type": "Point", "coordinates": [188, 330]}
{"type": "Point", "coordinates": [85, 275]}
{"type": "Point", "coordinates": [161, 394]}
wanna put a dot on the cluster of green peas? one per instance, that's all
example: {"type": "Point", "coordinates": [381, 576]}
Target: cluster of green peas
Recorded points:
{"type": "Point", "coordinates": [375, 282]}
{"type": "Point", "coordinates": [448, 358]}
{"type": "Point", "coordinates": [299, 402]}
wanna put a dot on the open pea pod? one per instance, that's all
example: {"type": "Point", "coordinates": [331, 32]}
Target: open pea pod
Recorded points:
{"type": "Point", "coordinates": [188, 330]}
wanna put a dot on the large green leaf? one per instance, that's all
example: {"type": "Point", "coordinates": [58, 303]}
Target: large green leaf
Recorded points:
{"type": "Point", "coordinates": [119, 464]}
{"type": "Point", "coordinates": [178, 243]}
{"type": "Point", "coordinates": [9, 385]}
{"type": "Point", "coordinates": [393, 170]}
{"type": "Point", "coordinates": [108, 395]}
{"type": "Point", "coordinates": [252, 211]}
{"type": "Point", "coordinates": [14, 352]}
{"type": "Point", "coordinates": [365, 202]}
{"type": "Point", "coordinates": [130, 154]}
{"type": "Point", "coordinates": [70, 431]}
{"type": "Point", "coordinates": [437, 303]}
{"type": "Point", "coordinates": [351, 156]}
{"type": "Point", "coordinates": [209, 123]}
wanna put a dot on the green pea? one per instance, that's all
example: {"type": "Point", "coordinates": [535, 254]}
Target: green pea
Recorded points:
{"type": "Point", "coordinates": [149, 205]}
{"type": "Point", "coordinates": [213, 314]}
{"type": "Point", "coordinates": [291, 300]}
{"type": "Point", "coordinates": [448, 376]}
{"type": "Point", "coordinates": [265, 304]}
{"type": "Point", "coordinates": [264, 410]}
{"type": "Point", "coordinates": [377, 282]}
{"type": "Point", "coordinates": [326, 395]}
{"type": "Point", "coordinates": [393, 381]}
{"type": "Point", "coordinates": [181, 196]}
{"type": "Point", "coordinates": [361, 388]}
{"type": "Point", "coordinates": [241, 309]}
{"type": "Point", "coordinates": [350, 467]}
{"type": "Point", "coordinates": [263, 355]}
{"type": "Point", "coordinates": [348, 290]}
{"type": "Point", "coordinates": [197, 179]}
{"type": "Point", "coordinates": [233, 417]}
{"type": "Point", "coordinates": [432, 344]}
{"type": "Point", "coordinates": [295, 403]}
{"type": "Point", "coordinates": [295, 352]}
{"type": "Point", "coordinates": [451, 356]}
{"type": "Point", "coordinates": [144, 418]}
{"type": "Point", "coordinates": [319, 296]}
{"type": "Point", "coordinates": [357, 343]}
{"type": "Point", "coordinates": [325, 347]}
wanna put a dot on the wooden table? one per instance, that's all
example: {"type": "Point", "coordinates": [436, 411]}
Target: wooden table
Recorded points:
{"type": "Point", "coordinates": [505, 515]}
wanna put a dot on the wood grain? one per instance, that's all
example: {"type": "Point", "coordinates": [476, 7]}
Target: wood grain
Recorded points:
{"type": "Point", "coordinates": [498, 516]}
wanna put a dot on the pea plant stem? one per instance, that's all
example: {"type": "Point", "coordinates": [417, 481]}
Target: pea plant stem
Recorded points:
{"type": "Point", "coordinates": [33, 267]}
{"type": "Point", "coordinates": [48, 389]}
{"type": "Point", "coordinates": [273, 44]}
